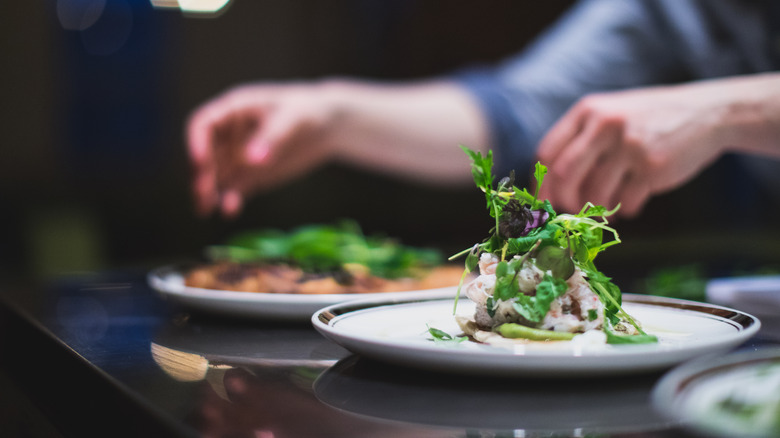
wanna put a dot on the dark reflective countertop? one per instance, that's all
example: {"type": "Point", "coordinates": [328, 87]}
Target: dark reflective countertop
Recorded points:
{"type": "Point", "coordinates": [105, 354]}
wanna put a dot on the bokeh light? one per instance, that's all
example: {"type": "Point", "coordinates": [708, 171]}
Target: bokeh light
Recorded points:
{"type": "Point", "coordinates": [112, 29]}
{"type": "Point", "coordinates": [104, 26]}
{"type": "Point", "coordinates": [194, 8]}
{"type": "Point", "coordinates": [79, 14]}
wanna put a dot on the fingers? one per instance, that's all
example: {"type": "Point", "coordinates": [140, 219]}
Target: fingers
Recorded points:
{"type": "Point", "coordinates": [252, 139]}
{"type": "Point", "coordinates": [258, 151]}
{"type": "Point", "coordinates": [204, 188]}
{"type": "Point", "coordinates": [579, 160]}
{"type": "Point", "coordinates": [253, 166]}
{"type": "Point", "coordinates": [200, 137]}
{"type": "Point", "coordinates": [277, 130]}
{"type": "Point", "coordinates": [554, 143]}
{"type": "Point", "coordinates": [218, 144]}
{"type": "Point", "coordinates": [206, 120]}
{"type": "Point", "coordinates": [560, 135]}
{"type": "Point", "coordinates": [604, 182]}
{"type": "Point", "coordinates": [634, 195]}
{"type": "Point", "coordinates": [199, 146]}
{"type": "Point", "coordinates": [231, 203]}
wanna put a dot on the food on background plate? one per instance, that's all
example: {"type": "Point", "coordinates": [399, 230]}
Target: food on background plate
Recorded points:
{"type": "Point", "coordinates": [737, 399]}
{"type": "Point", "coordinates": [321, 259]}
{"type": "Point", "coordinates": [537, 278]}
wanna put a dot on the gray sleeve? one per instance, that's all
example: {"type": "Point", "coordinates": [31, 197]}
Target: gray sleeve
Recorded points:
{"type": "Point", "coordinates": [601, 45]}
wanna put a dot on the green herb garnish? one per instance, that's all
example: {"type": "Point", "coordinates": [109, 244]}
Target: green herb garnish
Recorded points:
{"type": "Point", "coordinates": [327, 248]}
{"type": "Point", "coordinates": [559, 243]}
{"type": "Point", "coordinates": [440, 336]}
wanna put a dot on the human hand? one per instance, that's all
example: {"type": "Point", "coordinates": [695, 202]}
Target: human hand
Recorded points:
{"type": "Point", "coordinates": [254, 138]}
{"type": "Point", "coordinates": [626, 146]}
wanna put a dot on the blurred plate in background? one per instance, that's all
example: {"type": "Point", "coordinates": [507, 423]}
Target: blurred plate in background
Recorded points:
{"type": "Point", "coordinates": [730, 396]}
{"type": "Point", "coordinates": [757, 295]}
{"type": "Point", "coordinates": [169, 281]}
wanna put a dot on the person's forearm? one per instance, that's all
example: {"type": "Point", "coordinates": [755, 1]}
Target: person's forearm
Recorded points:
{"type": "Point", "coordinates": [411, 130]}
{"type": "Point", "coordinates": [751, 119]}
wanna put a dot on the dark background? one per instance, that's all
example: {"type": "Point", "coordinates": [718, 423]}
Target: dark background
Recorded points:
{"type": "Point", "coordinates": [93, 171]}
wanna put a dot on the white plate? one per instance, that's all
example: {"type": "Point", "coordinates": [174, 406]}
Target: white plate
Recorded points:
{"type": "Point", "coordinates": [397, 332]}
{"type": "Point", "coordinates": [757, 295]}
{"type": "Point", "coordinates": [169, 281]}
{"type": "Point", "coordinates": [733, 395]}
{"type": "Point", "coordinates": [761, 293]}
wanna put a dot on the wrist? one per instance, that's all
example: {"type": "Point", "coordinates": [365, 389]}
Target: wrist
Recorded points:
{"type": "Point", "coordinates": [751, 120]}
{"type": "Point", "coordinates": [337, 101]}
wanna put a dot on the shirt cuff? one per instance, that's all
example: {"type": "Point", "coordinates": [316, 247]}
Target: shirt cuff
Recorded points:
{"type": "Point", "coordinates": [511, 147]}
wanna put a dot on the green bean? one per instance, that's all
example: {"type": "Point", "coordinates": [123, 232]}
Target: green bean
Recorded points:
{"type": "Point", "coordinates": [512, 330]}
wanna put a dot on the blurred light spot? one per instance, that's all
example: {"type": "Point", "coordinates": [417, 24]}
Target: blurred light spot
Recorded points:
{"type": "Point", "coordinates": [79, 14]}
{"type": "Point", "coordinates": [207, 6]}
{"type": "Point", "coordinates": [195, 8]}
{"type": "Point", "coordinates": [165, 4]}
{"type": "Point", "coordinates": [110, 32]}
{"type": "Point", "coordinates": [182, 366]}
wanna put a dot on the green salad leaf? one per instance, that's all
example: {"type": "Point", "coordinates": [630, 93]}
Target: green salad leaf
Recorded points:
{"type": "Point", "coordinates": [559, 243]}
{"type": "Point", "coordinates": [534, 308]}
{"type": "Point", "coordinates": [441, 337]}
{"type": "Point", "coordinates": [327, 248]}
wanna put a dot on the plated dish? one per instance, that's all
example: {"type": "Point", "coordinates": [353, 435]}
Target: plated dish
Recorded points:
{"type": "Point", "coordinates": [169, 282]}
{"type": "Point", "coordinates": [735, 395]}
{"type": "Point", "coordinates": [398, 332]}
{"type": "Point", "coordinates": [319, 259]}
{"type": "Point", "coordinates": [538, 279]}
{"type": "Point", "coordinates": [539, 305]}
{"type": "Point", "coordinates": [288, 275]}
